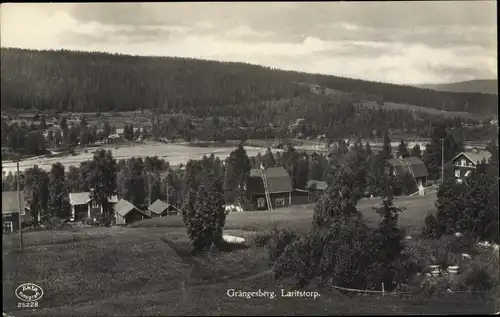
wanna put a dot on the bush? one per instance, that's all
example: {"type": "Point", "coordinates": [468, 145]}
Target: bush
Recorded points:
{"type": "Point", "coordinates": [279, 240]}
{"type": "Point", "coordinates": [262, 239]}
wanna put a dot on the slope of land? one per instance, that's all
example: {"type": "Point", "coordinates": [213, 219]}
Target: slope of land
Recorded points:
{"type": "Point", "coordinates": [89, 82]}
{"type": "Point", "coordinates": [483, 86]}
{"type": "Point", "coordinates": [133, 271]}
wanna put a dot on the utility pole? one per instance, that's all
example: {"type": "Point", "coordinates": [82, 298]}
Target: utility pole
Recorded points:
{"type": "Point", "coordinates": [442, 160]}
{"type": "Point", "coordinates": [149, 188]}
{"type": "Point", "coordinates": [20, 210]}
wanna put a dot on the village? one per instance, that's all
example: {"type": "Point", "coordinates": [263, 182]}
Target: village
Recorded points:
{"type": "Point", "coordinates": [274, 159]}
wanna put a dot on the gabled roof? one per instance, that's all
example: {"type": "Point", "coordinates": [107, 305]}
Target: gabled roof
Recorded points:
{"type": "Point", "coordinates": [403, 165]}
{"type": "Point", "coordinates": [83, 198]}
{"type": "Point", "coordinates": [159, 206]}
{"type": "Point", "coordinates": [123, 207]}
{"type": "Point", "coordinates": [10, 203]}
{"type": "Point", "coordinates": [475, 157]}
{"type": "Point", "coordinates": [321, 185]}
{"type": "Point", "coordinates": [278, 180]}
{"type": "Point", "coordinates": [76, 199]}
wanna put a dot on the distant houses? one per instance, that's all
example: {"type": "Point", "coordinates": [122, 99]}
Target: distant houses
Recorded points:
{"type": "Point", "coordinates": [316, 189]}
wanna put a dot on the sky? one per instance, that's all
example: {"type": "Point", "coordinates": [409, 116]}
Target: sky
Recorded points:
{"type": "Point", "coordinates": [396, 42]}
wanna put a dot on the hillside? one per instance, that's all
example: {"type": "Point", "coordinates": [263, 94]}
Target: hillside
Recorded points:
{"type": "Point", "coordinates": [486, 86]}
{"type": "Point", "coordinates": [85, 82]}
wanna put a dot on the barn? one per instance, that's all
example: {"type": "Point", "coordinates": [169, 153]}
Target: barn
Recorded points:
{"type": "Point", "coordinates": [269, 188]}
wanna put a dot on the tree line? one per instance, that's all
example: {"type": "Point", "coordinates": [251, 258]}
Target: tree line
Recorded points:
{"type": "Point", "coordinates": [84, 81]}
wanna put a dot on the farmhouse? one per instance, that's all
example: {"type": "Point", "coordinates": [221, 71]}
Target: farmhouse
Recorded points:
{"type": "Point", "coordinates": [160, 208]}
{"type": "Point", "coordinates": [269, 188]}
{"type": "Point", "coordinates": [467, 162]}
{"type": "Point", "coordinates": [83, 206]}
{"type": "Point", "coordinates": [412, 166]}
{"type": "Point", "coordinates": [316, 189]}
{"type": "Point", "coordinates": [126, 213]}
{"type": "Point", "coordinates": [10, 211]}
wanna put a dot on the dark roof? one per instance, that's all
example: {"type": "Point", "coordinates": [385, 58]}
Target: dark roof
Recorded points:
{"type": "Point", "coordinates": [321, 185]}
{"type": "Point", "coordinates": [9, 202]}
{"type": "Point", "coordinates": [278, 180]}
{"type": "Point", "coordinates": [159, 206]}
{"type": "Point", "coordinates": [404, 165]}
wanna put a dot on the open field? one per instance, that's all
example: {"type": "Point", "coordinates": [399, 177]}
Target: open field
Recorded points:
{"type": "Point", "coordinates": [300, 217]}
{"type": "Point", "coordinates": [431, 111]}
{"type": "Point", "coordinates": [175, 154]}
{"type": "Point", "coordinates": [133, 271]}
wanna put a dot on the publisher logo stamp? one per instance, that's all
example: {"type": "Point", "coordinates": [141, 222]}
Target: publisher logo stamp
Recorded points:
{"type": "Point", "coordinates": [29, 294]}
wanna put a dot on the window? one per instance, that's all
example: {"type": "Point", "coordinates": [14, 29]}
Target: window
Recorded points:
{"type": "Point", "coordinates": [261, 202]}
{"type": "Point", "coordinates": [95, 204]}
{"type": "Point", "coordinates": [467, 174]}
{"type": "Point", "coordinates": [463, 162]}
{"type": "Point", "coordinates": [280, 201]}
{"type": "Point", "coordinates": [457, 173]}
{"type": "Point", "coordinates": [7, 227]}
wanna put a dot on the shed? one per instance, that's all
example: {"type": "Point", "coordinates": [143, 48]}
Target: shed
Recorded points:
{"type": "Point", "coordinates": [126, 213]}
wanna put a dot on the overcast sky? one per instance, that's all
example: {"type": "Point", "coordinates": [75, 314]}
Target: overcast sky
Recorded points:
{"type": "Point", "coordinates": [398, 42]}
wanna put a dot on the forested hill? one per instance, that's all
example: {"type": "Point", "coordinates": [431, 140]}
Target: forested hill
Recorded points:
{"type": "Point", "coordinates": [89, 82]}
{"type": "Point", "coordinates": [485, 86]}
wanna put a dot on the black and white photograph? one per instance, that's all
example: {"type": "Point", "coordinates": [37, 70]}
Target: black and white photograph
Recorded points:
{"type": "Point", "coordinates": [249, 158]}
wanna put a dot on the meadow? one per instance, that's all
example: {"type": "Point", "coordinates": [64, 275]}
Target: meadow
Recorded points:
{"type": "Point", "coordinates": [142, 270]}
{"type": "Point", "coordinates": [175, 154]}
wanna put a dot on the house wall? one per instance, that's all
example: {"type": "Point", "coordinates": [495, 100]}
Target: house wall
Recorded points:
{"type": "Point", "coordinates": [119, 220]}
{"type": "Point", "coordinates": [133, 216]}
{"type": "Point", "coordinates": [12, 217]}
{"type": "Point", "coordinates": [81, 212]}
{"type": "Point", "coordinates": [300, 198]}
{"type": "Point", "coordinates": [253, 205]}
{"type": "Point", "coordinates": [461, 169]}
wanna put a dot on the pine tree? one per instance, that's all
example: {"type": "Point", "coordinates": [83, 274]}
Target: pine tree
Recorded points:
{"type": "Point", "coordinates": [36, 189]}
{"type": "Point", "coordinates": [403, 150]}
{"type": "Point", "coordinates": [58, 204]}
{"type": "Point", "coordinates": [416, 152]}
{"type": "Point", "coordinates": [102, 181]}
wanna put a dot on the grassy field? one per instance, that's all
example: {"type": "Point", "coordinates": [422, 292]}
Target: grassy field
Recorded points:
{"type": "Point", "coordinates": [135, 271]}
{"type": "Point", "coordinates": [300, 217]}
{"type": "Point", "coordinates": [175, 154]}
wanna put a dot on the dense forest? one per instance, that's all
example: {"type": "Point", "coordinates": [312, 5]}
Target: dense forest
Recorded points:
{"type": "Point", "coordinates": [90, 82]}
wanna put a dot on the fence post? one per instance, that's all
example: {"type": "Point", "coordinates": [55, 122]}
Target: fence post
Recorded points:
{"type": "Point", "coordinates": [383, 290]}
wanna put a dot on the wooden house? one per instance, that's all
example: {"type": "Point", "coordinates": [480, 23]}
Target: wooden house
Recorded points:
{"type": "Point", "coordinates": [160, 208]}
{"type": "Point", "coordinates": [269, 188]}
{"type": "Point", "coordinates": [412, 166]}
{"type": "Point", "coordinates": [316, 189]}
{"type": "Point", "coordinates": [83, 206]}
{"type": "Point", "coordinates": [126, 213]}
{"type": "Point", "coordinates": [10, 211]}
{"type": "Point", "coordinates": [465, 163]}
